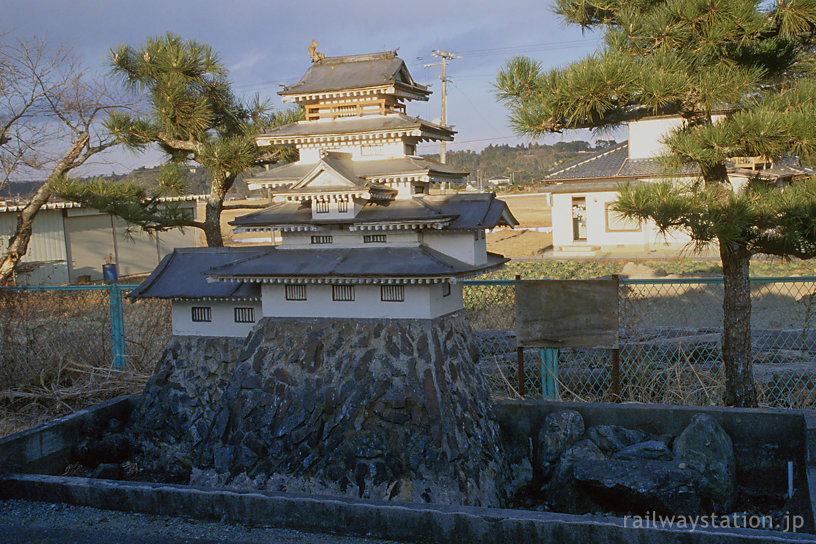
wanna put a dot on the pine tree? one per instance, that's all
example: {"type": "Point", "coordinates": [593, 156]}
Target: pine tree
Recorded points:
{"type": "Point", "coordinates": [192, 115]}
{"type": "Point", "coordinates": [696, 58]}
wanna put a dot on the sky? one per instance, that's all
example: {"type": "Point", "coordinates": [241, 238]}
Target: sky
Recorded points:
{"type": "Point", "coordinates": [264, 44]}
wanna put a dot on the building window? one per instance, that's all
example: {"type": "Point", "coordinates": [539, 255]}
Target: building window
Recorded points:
{"type": "Point", "coordinates": [342, 206]}
{"type": "Point", "coordinates": [321, 207]}
{"type": "Point", "coordinates": [321, 239]}
{"type": "Point", "coordinates": [202, 314]}
{"type": "Point", "coordinates": [295, 292]}
{"type": "Point", "coordinates": [446, 289]}
{"type": "Point", "coordinates": [245, 315]}
{"type": "Point", "coordinates": [343, 293]}
{"type": "Point", "coordinates": [419, 189]}
{"type": "Point", "coordinates": [392, 293]}
{"type": "Point", "coordinates": [374, 238]}
{"type": "Point", "coordinates": [617, 223]}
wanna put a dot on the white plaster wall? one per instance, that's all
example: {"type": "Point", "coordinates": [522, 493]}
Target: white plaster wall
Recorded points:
{"type": "Point", "coordinates": [359, 152]}
{"type": "Point", "coordinates": [366, 304]}
{"type": "Point", "coordinates": [597, 235]}
{"type": "Point", "coordinates": [562, 219]}
{"type": "Point", "coordinates": [459, 245]}
{"type": "Point", "coordinates": [646, 136]}
{"type": "Point", "coordinates": [223, 319]}
{"type": "Point", "coordinates": [345, 238]}
{"type": "Point", "coordinates": [441, 305]}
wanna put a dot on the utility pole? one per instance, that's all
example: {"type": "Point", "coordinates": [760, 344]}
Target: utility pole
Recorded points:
{"type": "Point", "coordinates": [445, 56]}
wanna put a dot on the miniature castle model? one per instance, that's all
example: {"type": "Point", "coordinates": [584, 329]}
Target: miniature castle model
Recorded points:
{"type": "Point", "coordinates": [339, 361]}
{"type": "Point", "coordinates": [361, 235]}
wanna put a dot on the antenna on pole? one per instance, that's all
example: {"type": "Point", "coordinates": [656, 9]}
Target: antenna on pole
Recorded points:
{"type": "Point", "coordinates": [445, 56]}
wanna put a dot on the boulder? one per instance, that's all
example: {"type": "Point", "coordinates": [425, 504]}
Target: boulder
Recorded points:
{"type": "Point", "coordinates": [612, 438]}
{"type": "Point", "coordinates": [560, 431]}
{"type": "Point", "coordinates": [560, 490]}
{"type": "Point", "coordinates": [655, 450]}
{"type": "Point", "coordinates": [706, 447]}
{"type": "Point", "coordinates": [110, 448]}
{"type": "Point", "coordinates": [623, 486]}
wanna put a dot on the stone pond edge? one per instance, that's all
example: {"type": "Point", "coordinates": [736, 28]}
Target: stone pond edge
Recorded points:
{"type": "Point", "coordinates": [38, 448]}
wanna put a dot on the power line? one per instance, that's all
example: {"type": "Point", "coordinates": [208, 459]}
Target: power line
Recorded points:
{"type": "Point", "coordinates": [445, 56]}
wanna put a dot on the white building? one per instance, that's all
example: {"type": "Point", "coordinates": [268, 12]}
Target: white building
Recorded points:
{"type": "Point", "coordinates": [582, 218]}
{"type": "Point", "coordinates": [362, 237]}
{"type": "Point", "coordinates": [70, 243]}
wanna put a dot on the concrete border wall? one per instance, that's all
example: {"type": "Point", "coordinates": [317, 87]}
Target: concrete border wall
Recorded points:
{"type": "Point", "coordinates": [47, 448]}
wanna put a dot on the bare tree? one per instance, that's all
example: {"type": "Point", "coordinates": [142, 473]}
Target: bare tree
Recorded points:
{"type": "Point", "coordinates": [50, 111]}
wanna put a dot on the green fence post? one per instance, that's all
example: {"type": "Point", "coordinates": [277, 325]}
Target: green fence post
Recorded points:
{"type": "Point", "coordinates": [117, 326]}
{"type": "Point", "coordinates": [549, 373]}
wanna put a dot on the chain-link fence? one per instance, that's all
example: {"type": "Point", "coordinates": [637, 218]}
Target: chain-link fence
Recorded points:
{"type": "Point", "coordinates": [669, 345]}
{"type": "Point", "coordinates": [47, 331]}
{"type": "Point", "coordinates": [669, 352]}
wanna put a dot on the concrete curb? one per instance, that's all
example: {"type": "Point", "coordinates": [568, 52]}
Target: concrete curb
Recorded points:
{"type": "Point", "coordinates": [430, 524]}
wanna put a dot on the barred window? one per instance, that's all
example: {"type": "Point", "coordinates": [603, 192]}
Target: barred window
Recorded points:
{"type": "Point", "coordinates": [392, 293]}
{"type": "Point", "coordinates": [373, 238]}
{"type": "Point", "coordinates": [321, 207]}
{"type": "Point", "coordinates": [343, 293]}
{"type": "Point", "coordinates": [202, 314]}
{"type": "Point", "coordinates": [295, 292]}
{"type": "Point", "coordinates": [245, 315]}
{"type": "Point", "coordinates": [342, 206]}
{"type": "Point", "coordinates": [446, 289]}
{"type": "Point", "coordinates": [321, 239]}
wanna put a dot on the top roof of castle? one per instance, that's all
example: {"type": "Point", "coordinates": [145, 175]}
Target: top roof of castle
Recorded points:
{"type": "Point", "coordinates": [355, 72]}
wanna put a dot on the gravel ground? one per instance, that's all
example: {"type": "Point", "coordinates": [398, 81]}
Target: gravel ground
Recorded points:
{"type": "Point", "coordinates": [45, 523]}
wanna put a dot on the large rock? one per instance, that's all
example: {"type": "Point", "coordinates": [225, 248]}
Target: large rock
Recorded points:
{"type": "Point", "coordinates": [641, 486]}
{"type": "Point", "coordinates": [612, 438]}
{"type": "Point", "coordinates": [706, 447]}
{"type": "Point", "coordinates": [560, 491]}
{"type": "Point", "coordinates": [655, 450]}
{"type": "Point", "coordinates": [383, 409]}
{"type": "Point", "coordinates": [560, 431]}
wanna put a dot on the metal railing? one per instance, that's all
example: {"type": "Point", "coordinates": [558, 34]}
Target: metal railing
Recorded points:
{"type": "Point", "coordinates": [669, 331]}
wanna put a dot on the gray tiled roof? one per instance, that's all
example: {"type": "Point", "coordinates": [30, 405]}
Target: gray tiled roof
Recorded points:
{"type": "Point", "coordinates": [365, 169]}
{"type": "Point", "coordinates": [354, 72]}
{"type": "Point", "coordinates": [381, 262]}
{"type": "Point", "coordinates": [356, 125]}
{"type": "Point", "coordinates": [615, 163]}
{"type": "Point", "coordinates": [181, 274]}
{"type": "Point", "coordinates": [464, 211]}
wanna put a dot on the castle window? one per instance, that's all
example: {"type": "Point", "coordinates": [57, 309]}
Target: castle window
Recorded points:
{"type": "Point", "coordinates": [342, 206]}
{"type": "Point", "coordinates": [202, 314]}
{"type": "Point", "coordinates": [446, 289]}
{"type": "Point", "coordinates": [374, 238]}
{"type": "Point", "coordinates": [321, 239]}
{"type": "Point", "coordinates": [295, 292]}
{"type": "Point", "coordinates": [321, 207]}
{"type": "Point", "coordinates": [392, 293]}
{"type": "Point", "coordinates": [343, 293]}
{"type": "Point", "coordinates": [245, 315]}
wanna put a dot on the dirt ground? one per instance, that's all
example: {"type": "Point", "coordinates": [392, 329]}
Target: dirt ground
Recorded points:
{"type": "Point", "coordinates": [531, 211]}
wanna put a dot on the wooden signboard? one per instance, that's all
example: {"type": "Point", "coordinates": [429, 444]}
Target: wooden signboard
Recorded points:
{"type": "Point", "coordinates": [567, 313]}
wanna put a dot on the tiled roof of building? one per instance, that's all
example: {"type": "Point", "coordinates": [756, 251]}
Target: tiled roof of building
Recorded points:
{"type": "Point", "coordinates": [359, 125]}
{"type": "Point", "coordinates": [462, 211]}
{"type": "Point", "coordinates": [354, 72]}
{"type": "Point", "coordinates": [354, 262]}
{"type": "Point", "coordinates": [370, 169]}
{"type": "Point", "coordinates": [181, 275]}
{"type": "Point", "coordinates": [615, 163]}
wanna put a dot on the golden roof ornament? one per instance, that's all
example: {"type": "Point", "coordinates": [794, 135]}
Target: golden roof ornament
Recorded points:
{"type": "Point", "coordinates": [313, 52]}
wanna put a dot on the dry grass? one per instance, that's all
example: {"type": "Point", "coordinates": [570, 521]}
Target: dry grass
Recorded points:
{"type": "Point", "coordinates": [56, 353]}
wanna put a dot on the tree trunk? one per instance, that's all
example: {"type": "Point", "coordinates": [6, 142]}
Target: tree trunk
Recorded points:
{"type": "Point", "coordinates": [18, 245]}
{"type": "Point", "coordinates": [736, 339]}
{"type": "Point", "coordinates": [215, 204]}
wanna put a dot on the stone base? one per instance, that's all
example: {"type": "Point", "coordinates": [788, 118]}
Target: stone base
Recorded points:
{"type": "Point", "coordinates": [383, 409]}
